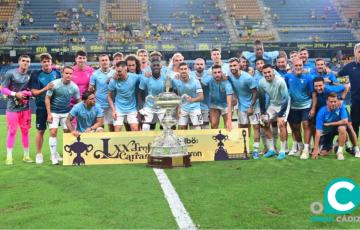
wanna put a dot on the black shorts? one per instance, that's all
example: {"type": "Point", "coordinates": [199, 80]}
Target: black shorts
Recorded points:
{"type": "Point", "coordinates": [41, 119]}
{"type": "Point", "coordinates": [326, 141]}
{"type": "Point", "coordinates": [296, 116]}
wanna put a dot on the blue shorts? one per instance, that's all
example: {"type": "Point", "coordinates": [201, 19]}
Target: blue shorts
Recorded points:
{"type": "Point", "coordinates": [296, 116]}
{"type": "Point", "coordinates": [41, 119]}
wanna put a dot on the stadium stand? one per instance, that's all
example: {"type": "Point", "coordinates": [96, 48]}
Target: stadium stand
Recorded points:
{"type": "Point", "coordinates": [7, 10]}
{"type": "Point", "coordinates": [307, 21]}
{"type": "Point", "coordinates": [188, 21]}
{"type": "Point", "coordinates": [73, 21]}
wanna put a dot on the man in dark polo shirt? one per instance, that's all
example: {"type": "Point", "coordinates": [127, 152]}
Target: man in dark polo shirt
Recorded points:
{"type": "Point", "coordinates": [352, 70]}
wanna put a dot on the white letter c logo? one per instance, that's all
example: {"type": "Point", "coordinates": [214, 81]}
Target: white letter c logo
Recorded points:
{"type": "Point", "coordinates": [331, 196]}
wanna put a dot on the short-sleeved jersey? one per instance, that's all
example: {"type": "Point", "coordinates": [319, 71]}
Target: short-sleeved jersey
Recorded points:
{"type": "Point", "coordinates": [125, 97]}
{"type": "Point", "coordinates": [82, 78]}
{"type": "Point", "coordinates": [153, 86]}
{"type": "Point", "coordinates": [219, 90]}
{"type": "Point", "coordinates": [330, 76]}
{"type": "Point", "coordinates": [243, 87]}
{"type": "Point", "coordinates": [269, 57]}
{"type": "Point", "coordinates": [191, 88]}
{"type": "Point", "coordinates": [325, 116]}
{"type": "Point", "coordinates": [40, 79]}
{"type": "Point", "coordinates": [276, 90]}
{"type": "Point", "coordinates": [300, 89]}
{"type": "Point", "coordinates": [321, 97]}
{"type": "Point", "coordinates": [61, 96]}
{"type": "Point", "coordinates": [100, 80]}
{"type": "Point", "coordinates": [85, 117]}
{"type": "Point", "coordinates": [204, 104]}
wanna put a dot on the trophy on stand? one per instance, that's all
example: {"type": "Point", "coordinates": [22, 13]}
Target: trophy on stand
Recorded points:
{"type": "Point", "coordinates": [168, 150]}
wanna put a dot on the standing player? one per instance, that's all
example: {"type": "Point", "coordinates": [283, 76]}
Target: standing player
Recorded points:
{"type": "Point", "coordinates": [221, 92]}
{"type": "Point", "coordinates": [304, 56]}
{"type": "Point", "coordinates": [200, 74]}
{"type": "Point", "coordinates": [153, 86]}
{"type": "Point", "coordinates": [269, 57]}
{"type": "Point", "coordinates": [99, 83]}
{"type": "Point", "coordinates": [330, 121]}
{"type": "Point", "coordinates": [123, 86]}
{"type": "Point", "coordinates": [245, 86]}
{"type": "Point", "coordinates": [39, 84]}
{"type": "Point", "coordinates": [82, 73]}
{"type": "Point", "coordinates": [321, 70]}
{"type": "Point", "coordinates": [194, 94]}
{"type": "Point", "coordinates": [57, 102]}
{"type": "Point", "coordinates": [143, 56]}
{"type": "Point", "coordinates": [174, 69]}
{"type": "Point", "coordinates": [278, 109]}
{"type": "Point", "coordinates": [118, 56]}
{"type": "Point", "coordinates": [302, 108]}
{"type": "Point", "coordinates": [282, 66]}
{"type": "Point", "coordinates": [352, 70]}
{"type": "Point", "coordinates": [216, 58]}
{"type": "Point", "coordinates": [15, 86]}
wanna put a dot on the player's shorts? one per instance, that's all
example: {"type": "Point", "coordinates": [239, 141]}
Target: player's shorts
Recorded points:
{"type": "Point", "coordinates": [273, 111]}
{"type": "Point", "coordinates": [108, 119]}
{"type": "Point", "coordinates": [244, 119]}
{"type": "Point", "coordinates": [195, 117]}
{"type": "Point", "coordinates": [58, 119]}
{"type": "Point", "coordinates": [205, 116]}
{"type": "Point", "coordinates": [41, 119]}
{"type": "Point", "coordinates": [296, 116]}
{"type": "Point", "coordinates": [222, 110]}
{"type": "Point", "coordinates": [152, 115]}
{"type": "Point", "coordinates": [21, 119]}
{"type": "Point", "coordinates": [326, 141]}
{"type": "Point", "coordinates": [130, 117]}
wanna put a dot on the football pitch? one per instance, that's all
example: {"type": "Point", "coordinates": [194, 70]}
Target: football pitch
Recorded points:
{"type": "Point", "coordinates": [265, 193]}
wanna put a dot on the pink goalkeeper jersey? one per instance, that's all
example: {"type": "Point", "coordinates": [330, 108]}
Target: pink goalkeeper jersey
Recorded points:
{"type": "Point", "coordinates": [82, 78]}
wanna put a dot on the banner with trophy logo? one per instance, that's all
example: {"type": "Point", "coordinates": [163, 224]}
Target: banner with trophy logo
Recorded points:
{"type": "Point", "coordinates": [134, 147]}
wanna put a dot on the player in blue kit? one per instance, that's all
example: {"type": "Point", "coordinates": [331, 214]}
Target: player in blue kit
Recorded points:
{"type": "Point", "coordinates": [200, 73]}
{"type": "Point", "coordinates": [39, 84]}
{"type": "Point", "coordinates": [245, 89]}
{"type": "Point", "coordinates": [304, 56]}
{"type": "Point", "coordinates": [322, 90]}
{"type": "Point", "coordinates": [88, 114]}
{"type": "Point", "coordinates": [215, 55]}
{"type": "Point", "coordinates": [352, 70]}
{"type": "Point", "coordinates": [331, 120]}
{"type": "Point", "coordinates": [269, 57]}
{"type": "Point", "coordinates": [123, 87]}
{"type": "Point", "coordinates": [302, 109]}
{"type": "Point", "coordinates": [191, 109]}
{"type": "Point", "coordinates": [99, 83]}
{"type": "Point", "coordinates": [57, 103]}
{"type": "Point", "coordinates": [322, 71]}
{"type": "Point", "coordinates": [153, 86]}
{"type": "Point", "coordinates": [220, 98]}
{"type": "Point", "coordinates": [275, 88]}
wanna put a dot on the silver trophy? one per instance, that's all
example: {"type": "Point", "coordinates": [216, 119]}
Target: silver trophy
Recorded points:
{"type": "Point", "coordinates": [168, 150]}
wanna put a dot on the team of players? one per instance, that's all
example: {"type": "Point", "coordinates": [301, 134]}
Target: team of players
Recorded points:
{"type": "Point", "coordinates": [297, 92]}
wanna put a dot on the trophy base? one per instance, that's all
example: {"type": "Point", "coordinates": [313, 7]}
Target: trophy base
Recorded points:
{"type": "Point", "coordinates": [164, 162]}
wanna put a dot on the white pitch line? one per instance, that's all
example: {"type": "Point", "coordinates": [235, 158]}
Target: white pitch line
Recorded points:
{"type": "Point", "coordinates": [178, 210]}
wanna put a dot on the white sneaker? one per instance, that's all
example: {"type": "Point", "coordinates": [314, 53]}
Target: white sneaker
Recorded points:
{"type": "Point", "coordinates": [294, 152]}
{"type": "Point", "coordinates": [304, 155]}
{"type": "Point", "coordinates": [39, 159]}
{"type": "Point", "coordinates": [340, 156]}
{"type": "Point", "coordinates": [54, 160]}
{"type": "Point", "coordinates": [59, 157]}
{"type": "Point", "coordinates": [357, 154]}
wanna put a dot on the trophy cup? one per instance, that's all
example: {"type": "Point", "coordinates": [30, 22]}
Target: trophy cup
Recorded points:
{"type": "Point", "coordinates": [168, 150]}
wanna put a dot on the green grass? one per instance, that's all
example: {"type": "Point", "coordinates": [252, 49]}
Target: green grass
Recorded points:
{"type": "Point", "coordinates": [45, 196]}
{"type": "Point", "coordinates": [228, 194]}
{"type": "Point", "coordinates": [260, 194]}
